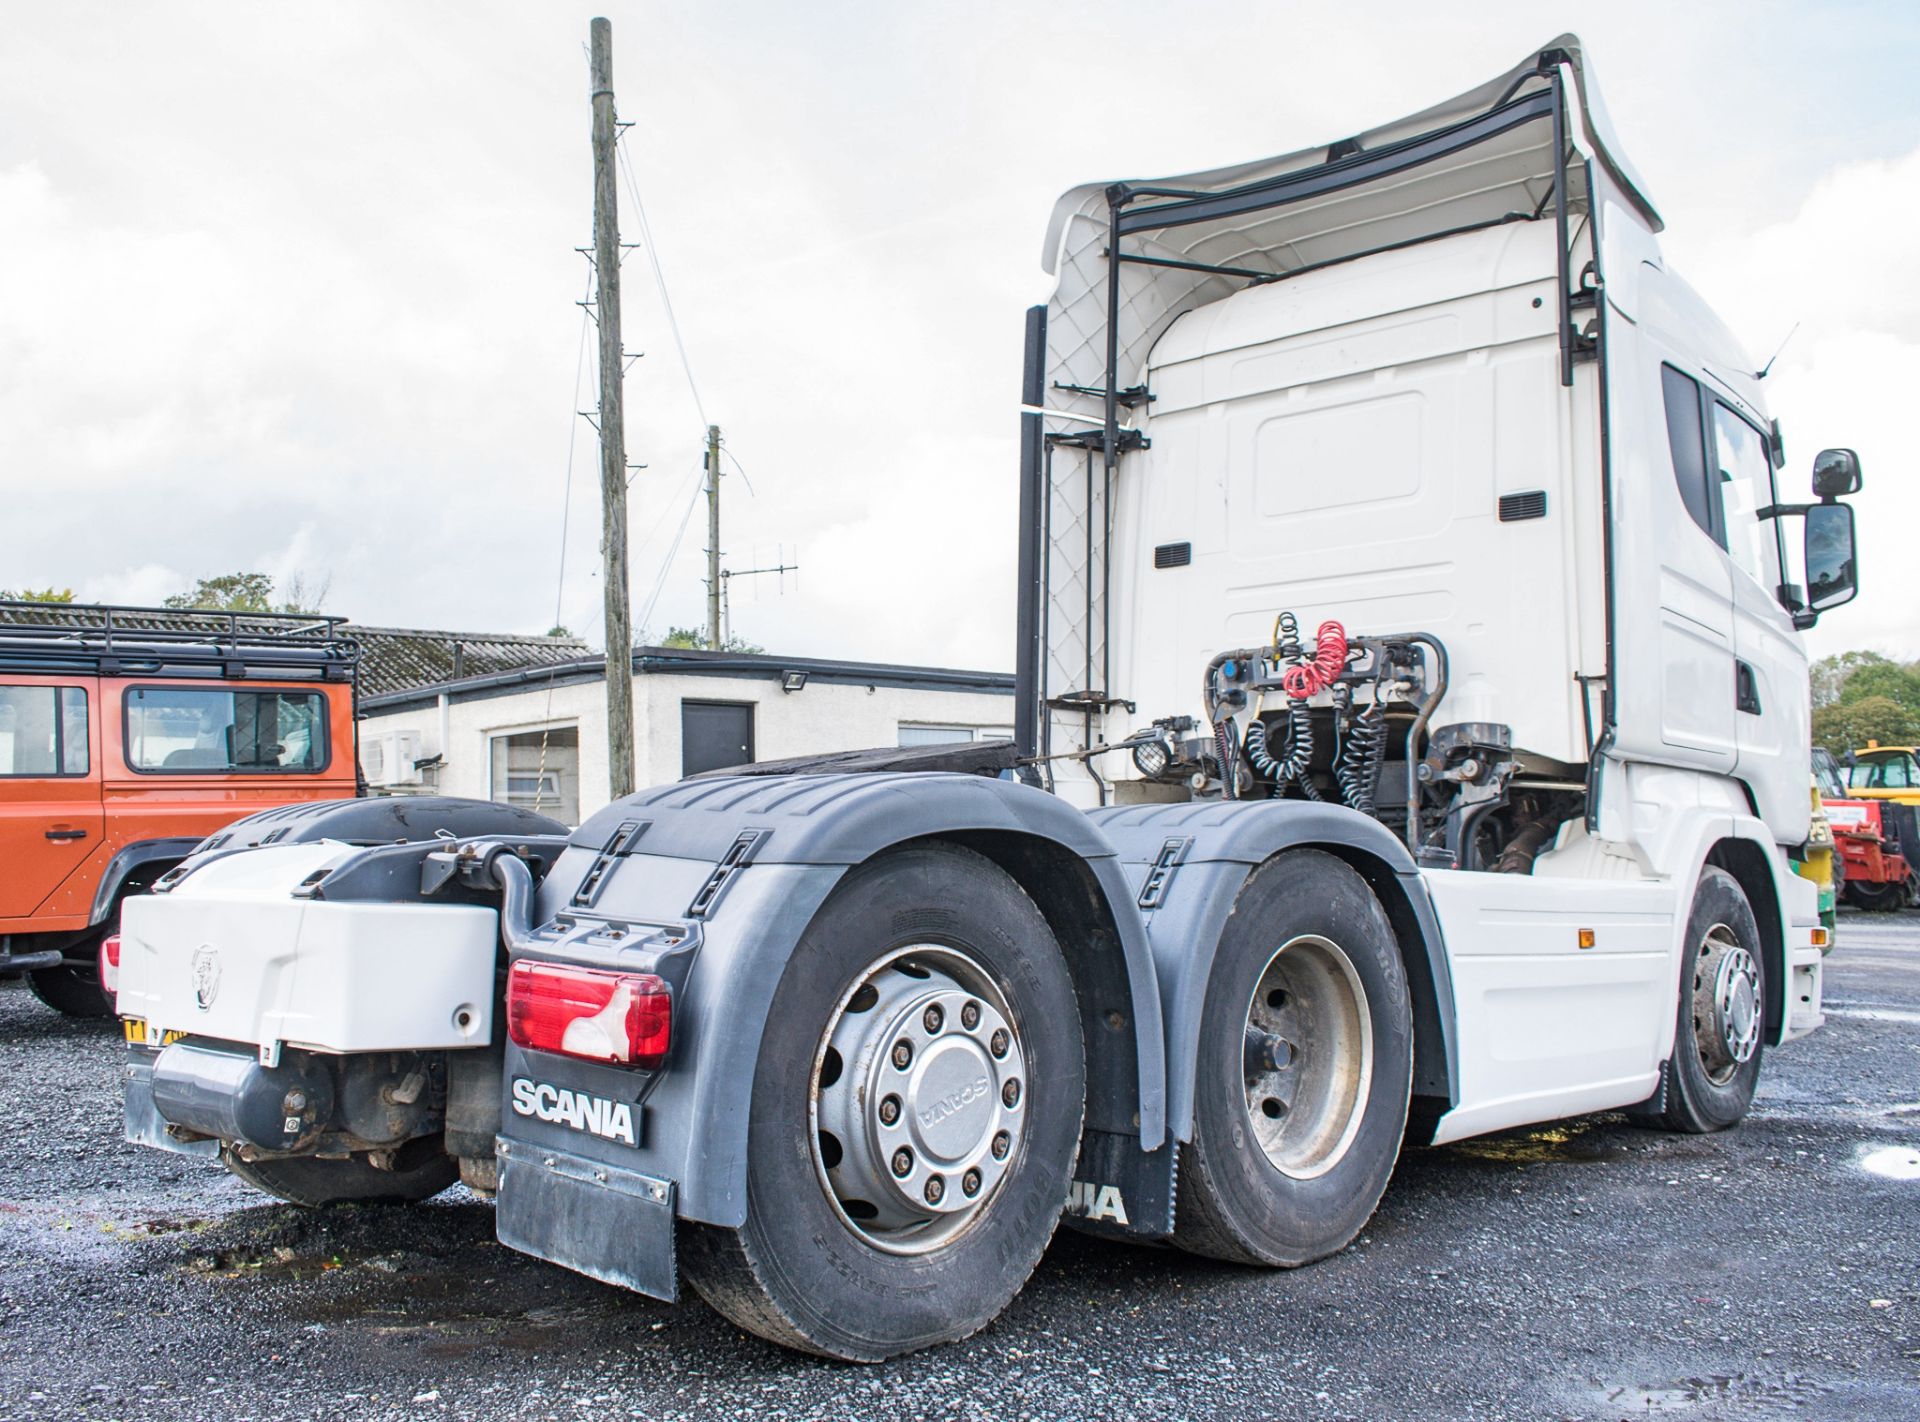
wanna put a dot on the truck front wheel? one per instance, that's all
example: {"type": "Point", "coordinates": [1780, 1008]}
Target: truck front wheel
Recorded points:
{"type": "Point", "coordinates": [1305, 1069]}
{"type": "Point", "coordinates": [916, 1106]}
{"type": "Point", "coordinates": [1716, 1046]}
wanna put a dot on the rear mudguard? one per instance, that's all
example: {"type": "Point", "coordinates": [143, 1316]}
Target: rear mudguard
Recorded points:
{"type": "Point", "coordinates": [737, 867]}
{"type": "Point", "coordinates": [1186, 865]}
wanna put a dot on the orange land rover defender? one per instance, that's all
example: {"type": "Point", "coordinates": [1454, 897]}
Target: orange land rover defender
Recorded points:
{"type": "Point", "coordinates": [129, 734]}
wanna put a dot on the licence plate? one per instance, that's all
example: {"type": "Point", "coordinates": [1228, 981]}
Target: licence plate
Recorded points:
{"type": "Point", "coordinates": [137, 1034]}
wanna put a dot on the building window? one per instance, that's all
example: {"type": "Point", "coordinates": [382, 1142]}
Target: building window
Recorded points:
{"type": "Point", "coordinates": [715, 735]}
{"type": "Point", "coordinates": [917, 734]}
{"type": "Point", "coordinates": [539, 771]}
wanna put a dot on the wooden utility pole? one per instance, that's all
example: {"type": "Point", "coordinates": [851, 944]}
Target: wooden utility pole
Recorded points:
{"type": "Point", "coordinates": [713, 538]}
{"type": "Point", "coordinates": [613, 441]}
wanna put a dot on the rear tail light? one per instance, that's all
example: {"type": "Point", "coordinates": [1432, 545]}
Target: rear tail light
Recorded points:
{"type": "Point", "coordinates": [110, 965]}
{"type": "Point", "coordinates": [596, 1016]}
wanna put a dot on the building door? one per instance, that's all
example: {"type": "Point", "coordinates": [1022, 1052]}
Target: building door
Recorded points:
{"type": "Point", "coordinates": [715, 735]}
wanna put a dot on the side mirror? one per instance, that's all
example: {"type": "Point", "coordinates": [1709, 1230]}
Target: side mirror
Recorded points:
{"type": "Point", "coordinates": [1832, 578]}
{"type": "Point", "coordinates": [1836, 473]}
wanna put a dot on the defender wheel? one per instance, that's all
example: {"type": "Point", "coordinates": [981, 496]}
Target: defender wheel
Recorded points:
{"type": "Point", "coordinates": [421, 1170]}
{"type": "Point", "coordinates": [1305, 1069]}
{"type": "Point", "coordinates": [72, 991]}
{"type": "Point", "coordinates": [1716, 1046]}
{"type": "Point", "coordinates": [916, 1108]}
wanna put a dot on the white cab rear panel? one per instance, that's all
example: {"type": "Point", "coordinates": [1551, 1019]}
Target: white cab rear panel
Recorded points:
{"type": "Point", "coordinates": [231, 954]}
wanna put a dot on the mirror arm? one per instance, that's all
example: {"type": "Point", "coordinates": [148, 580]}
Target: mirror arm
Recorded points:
{"type": "Point", "coordinates": [1781, 511]}
{"type": "Point", "coordinates": [1804, 618]}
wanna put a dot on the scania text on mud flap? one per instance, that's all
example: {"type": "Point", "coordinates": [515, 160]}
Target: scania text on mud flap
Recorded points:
{"type": "Point", "coordinates": [1412, 739]}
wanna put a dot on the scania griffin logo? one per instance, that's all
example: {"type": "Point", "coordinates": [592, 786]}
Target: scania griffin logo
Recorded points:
{"type": "Point", "coordinates": [947, 1105]}
{"type": "Point", "coordinates": [206, 975]}
{"type": "Point", "coordinates": [594, 1115]}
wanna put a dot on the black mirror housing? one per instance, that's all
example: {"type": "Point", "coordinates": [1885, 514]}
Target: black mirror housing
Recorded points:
{"type": "Point", "coordinates": [1832, 574]}
{"type": "Point", "coordinates": [1836, 473]}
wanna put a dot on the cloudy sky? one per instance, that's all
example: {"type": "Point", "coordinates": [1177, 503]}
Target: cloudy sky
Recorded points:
{"type": "Point", "coordinates": [292, 287]}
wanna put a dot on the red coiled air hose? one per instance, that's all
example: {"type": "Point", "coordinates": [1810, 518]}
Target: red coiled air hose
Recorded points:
{"type": "Point", "coordinates": [1329, 660]}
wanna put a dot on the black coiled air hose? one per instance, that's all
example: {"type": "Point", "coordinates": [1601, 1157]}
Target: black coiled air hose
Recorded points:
{"type": "Point", "coordinates": [1358, 769]}
{"type": "Point", "coordinates": [1299, 751]}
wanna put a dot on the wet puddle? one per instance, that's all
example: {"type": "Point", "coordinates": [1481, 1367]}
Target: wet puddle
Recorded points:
{"type": "Point", "coordinates": [1550, 1145]}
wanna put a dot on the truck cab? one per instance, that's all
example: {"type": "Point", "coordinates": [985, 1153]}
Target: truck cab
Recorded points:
{"type": "Point", "coordinates": [127, 736]}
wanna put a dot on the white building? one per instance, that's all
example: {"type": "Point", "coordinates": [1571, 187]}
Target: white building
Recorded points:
{"type": "Point", "coordinates": [537, 735]}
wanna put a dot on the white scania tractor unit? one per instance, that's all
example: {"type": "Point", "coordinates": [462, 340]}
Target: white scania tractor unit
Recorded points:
{"type": "Point", "coordinates": [1412, 742]}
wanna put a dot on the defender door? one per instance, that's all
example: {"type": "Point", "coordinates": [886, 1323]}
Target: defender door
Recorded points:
{"type": "Point", "coordinates": [51, 820]}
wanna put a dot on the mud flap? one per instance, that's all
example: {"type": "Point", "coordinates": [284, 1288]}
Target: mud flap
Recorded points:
{"type": "Point", "coordinates": [610, 1224]}
{"type": "Point", "coordinates": [1119, 1191]}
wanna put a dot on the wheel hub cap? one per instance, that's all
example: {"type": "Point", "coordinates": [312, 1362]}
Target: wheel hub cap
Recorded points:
{"type": "Point", "coordinates": [1307, 1057]}
{"type": "Point", "coordinates": [1726, 1004]}
{"type": "Point", "coordinates": [919, 1099]}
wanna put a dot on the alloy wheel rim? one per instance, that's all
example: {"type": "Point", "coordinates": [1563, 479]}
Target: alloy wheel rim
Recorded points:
{"type": "Point", "coordinates": [918, 1099]}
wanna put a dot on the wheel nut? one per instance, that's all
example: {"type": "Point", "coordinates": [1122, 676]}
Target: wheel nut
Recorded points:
{"type": "Point", "coordinates": [903, 1162]}
{"type": "Point", "coordinates": [970, 1016]}
{"type": "Point", "coordinates": [933, 1017]}
{"type": "Point", "coordinates": [1010, 1093]}
{"type": "Point", "coordinates": [970, 1182]}
{"type": "Point", "coordinates": [889, 1110]}
{"type": "Point", "coordinates": [1002, 1143]}
{"type": "Point", "coordinates": [936, 1188]}
{"type": "Point", "coordinates": [999, 1042]}
{"type": "Point", "coordinates": [903, 1054]}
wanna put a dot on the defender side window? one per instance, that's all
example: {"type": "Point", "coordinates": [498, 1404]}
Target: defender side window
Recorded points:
{"type": "Point", "coordinates": [1687, 435]}
{"type": "Point", "coordinates": [43, 731]}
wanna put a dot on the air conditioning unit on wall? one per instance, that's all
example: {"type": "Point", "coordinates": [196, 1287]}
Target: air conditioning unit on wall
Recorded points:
{"type": "Point", "coordinates": [387, 758]}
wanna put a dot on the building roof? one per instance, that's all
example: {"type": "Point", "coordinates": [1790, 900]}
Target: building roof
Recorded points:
{"type": "Point", "coordinates": [397, 660]}
{"type": "Point", "coordinates": [685, 661]}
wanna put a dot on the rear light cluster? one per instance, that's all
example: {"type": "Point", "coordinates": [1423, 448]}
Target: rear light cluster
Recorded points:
{"type": "Point", "coordinates": [595, 1016]}
{"type": "Point", "coordinates": [110, 965]}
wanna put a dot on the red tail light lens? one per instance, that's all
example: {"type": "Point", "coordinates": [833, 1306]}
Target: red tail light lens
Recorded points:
{"type": "Point", "coordinates": [110, 965]}
{"type": "Point", "coordinates": [596, 1016]}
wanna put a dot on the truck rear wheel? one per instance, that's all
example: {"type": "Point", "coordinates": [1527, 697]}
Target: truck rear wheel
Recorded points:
{"type": "Point", "coordinates": [421, 1170]}
{"type": "Point", "coordinates": [1877, 898]}
{"type": "Point", "coordinates": [1715, 1064]}
{"type": "Point", "coordinates": [1305, 1069]}
{"type": "Point", "coordinates": [916, 1107]}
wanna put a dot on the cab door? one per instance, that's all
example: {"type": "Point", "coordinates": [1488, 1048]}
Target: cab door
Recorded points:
{"type": "Point", "coordinates": [51, 817]}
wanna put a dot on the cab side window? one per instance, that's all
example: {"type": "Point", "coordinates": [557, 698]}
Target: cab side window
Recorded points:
{"type": "Point", "coordinates": [43, 731]}
{"type": "Point", "coordinates": [1744, 475]}
{"type": "Point", "coordinates": [1687, 436]}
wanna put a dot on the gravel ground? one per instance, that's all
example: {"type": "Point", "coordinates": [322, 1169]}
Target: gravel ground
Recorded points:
{"type": "Point", "coordinates": [1590, 1270]}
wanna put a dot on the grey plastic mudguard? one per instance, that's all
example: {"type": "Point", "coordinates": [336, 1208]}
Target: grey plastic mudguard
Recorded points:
{"type": "Point", "coordinates": [1203, 853]}
{"type": "Point", "coordinates": [647, 859]}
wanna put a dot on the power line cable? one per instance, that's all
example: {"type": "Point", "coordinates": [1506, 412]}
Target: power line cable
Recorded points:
{"type": "Point", "coordinates": [660, 282]}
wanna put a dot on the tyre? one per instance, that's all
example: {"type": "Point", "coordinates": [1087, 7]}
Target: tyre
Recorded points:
{"type": "Point", "coordinates": [1708, 1081]}
{"type": "Point", "coordinates": [74, 990]}
{"type": "Point", "coordinates": [1305, 1069]}
{"type": "Point", "coordinates": [421, 1170]}
{"type": "Point", "coordinates": [1877, 898]}
{"type": "Point", "coordinates": [916, 1110]}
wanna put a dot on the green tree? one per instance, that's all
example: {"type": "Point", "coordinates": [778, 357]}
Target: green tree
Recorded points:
{"type": "Point", "coordinates": [253, 592]}
{"type": "Point", "coordinates": [696, 638]}
{"type": "Point", "coordinates": [1883, 679]}
{"type": "Point", "coordinates": [1849, 725]}
{"type": "Point", "coordinates": [229, 592]}
{"type": "Point", "coordinates": [36, 595]}
{"type": "Point", "coordinates": [1831, 674]}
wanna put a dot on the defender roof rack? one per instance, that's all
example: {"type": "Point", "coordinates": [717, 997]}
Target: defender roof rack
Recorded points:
{"type": "Point", "coordinates": [98, 639]}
